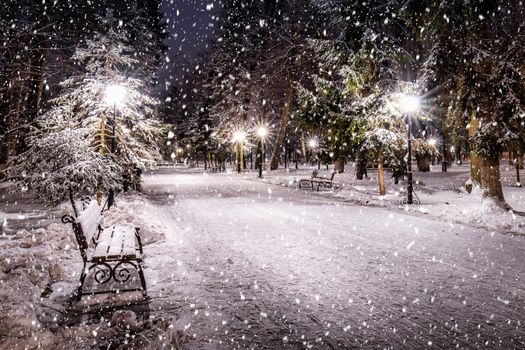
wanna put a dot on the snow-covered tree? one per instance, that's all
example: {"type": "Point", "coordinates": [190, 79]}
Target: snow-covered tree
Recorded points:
{"type": "Point", "coordinates": [423, 151]}
{"type": "Point", "coordinates": [107, 61]}
{"type": "Point", "coordinates": [82, 121]}
{"type": "Point", "coordinates": [477, 57]}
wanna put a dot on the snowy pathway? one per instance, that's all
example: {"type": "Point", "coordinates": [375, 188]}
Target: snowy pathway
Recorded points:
{"type": "Point", "coordinates": [247, 264]}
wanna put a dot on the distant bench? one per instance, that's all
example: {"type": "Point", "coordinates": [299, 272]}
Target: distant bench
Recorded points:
{"type": "Point", "coordinates": [317, 182]}
{"type": "Point", "coordinates": [117, 251]}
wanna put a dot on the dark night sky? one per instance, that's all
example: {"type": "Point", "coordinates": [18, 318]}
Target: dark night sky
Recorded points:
{"type": "Point", "coordinates": [191, 25]}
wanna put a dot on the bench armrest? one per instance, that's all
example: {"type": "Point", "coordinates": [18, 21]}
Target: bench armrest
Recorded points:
{"type": "Point", "coordinates": [139, 241]}
{"type": "Point", "coordinates": [95, 240]}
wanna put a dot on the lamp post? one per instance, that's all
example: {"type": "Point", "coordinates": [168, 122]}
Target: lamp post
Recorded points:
{"type": "Point", "coordinates": [115, 94]}
{"type": "Point", "coordinates": [517, 163]}
{"type": "Point", "coordinates": [262, 132]}
{"type": "Point", "coordinates": [444, 162]}
{"type": "Point", "coordinates": [409, 105]}
{"type": "Point", "coordinates": [239, 137]}
{"type": "Point", "coordinates": [312, 144]}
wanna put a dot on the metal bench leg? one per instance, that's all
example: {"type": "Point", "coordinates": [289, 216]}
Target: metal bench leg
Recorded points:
{"type": "Point", "coordinates": [81, 283]}
{"type": "Point", "coordinates": [142, 280]}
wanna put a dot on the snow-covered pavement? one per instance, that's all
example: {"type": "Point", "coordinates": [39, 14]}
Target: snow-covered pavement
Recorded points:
{"type": "Point", "coordinates": [247, 264]}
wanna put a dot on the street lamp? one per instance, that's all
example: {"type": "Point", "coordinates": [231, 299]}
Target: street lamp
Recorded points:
{"type": "Point", "coordinates": [115, 94]}
{"type": "Point", "coordinates": [313, 144]}
{"type": "Point", "coordinates": [262, 132]}
{"type": "Point", "coordinates": [239, 138]}
{"type": "Point", "coordinates": [517, 163]}
{"type": "Point", "coordinates": [409, 104]}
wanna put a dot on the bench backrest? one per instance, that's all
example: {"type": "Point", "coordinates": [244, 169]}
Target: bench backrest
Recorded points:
{"type": "Point", "coordinates": [89, 218]}
{"type": "Point", "coordinates": [315, 175]}
{"type": "Point", "coordinates": [85, 223]}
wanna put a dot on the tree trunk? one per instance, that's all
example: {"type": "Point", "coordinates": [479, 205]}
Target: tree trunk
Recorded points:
{"type": "Point", "coordinates": [475, 161]}
{"type": "Point", "coordinates": [424, 164]}
{"type": "Point", "coordinates": [14, 137]}
{"type": "Point", "coordinates": [360, 163]}
{"type": "Point", "coordinates": [282, 128]}
{"type": "Point", "coordinates": [490, 179]}
{"type": "Point", "coordinates": [303, 149]}
{"type": "Point", "coordinates": [381, 176]}
{"type": "Point", "coordinates": [459, 159]}
{"type": "Point", "coordinates": [339, 165]}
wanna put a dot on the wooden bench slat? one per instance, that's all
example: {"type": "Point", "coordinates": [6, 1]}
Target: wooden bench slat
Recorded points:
{"type": "Point", "coordinates": [116, 242]}
{"type": "Point", "coordinates": [123, 240]}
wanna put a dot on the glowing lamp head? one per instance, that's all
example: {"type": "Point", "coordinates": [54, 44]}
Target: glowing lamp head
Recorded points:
{"type": "Point", "coordinates": [409, 103]}
{"type": "Point", "coordinates": [239, 136]}
{"type": "Point", "coordinates": [262, 132]}
{"type": "Point", "coordinates": [115, 94]}
{"type": "Point", "coordinates": [312, 144]}
{"type": "Point", "coordinates": [432, 142]}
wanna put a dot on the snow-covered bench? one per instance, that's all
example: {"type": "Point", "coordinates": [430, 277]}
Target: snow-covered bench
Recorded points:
{"type": "Point", "coordinates": [116, 252]}
{"type": "Point", "coordinates": [317, 182]}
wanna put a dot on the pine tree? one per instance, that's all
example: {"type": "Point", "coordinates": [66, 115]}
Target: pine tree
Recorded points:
{"type": "Point", "coordinates": [80, 112]}
{"type": "Point", "coordinates": [108, 61]}
{"type": "Point", "coordinates": [478, 56]}
{"type": "Point", "coordinates": [37, 42]}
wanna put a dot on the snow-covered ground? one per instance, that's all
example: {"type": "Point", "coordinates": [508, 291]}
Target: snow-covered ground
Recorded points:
{"type": "Point", "coordinates": [235, 262]}
{"type": "Point", "coordinates": [442, 195]}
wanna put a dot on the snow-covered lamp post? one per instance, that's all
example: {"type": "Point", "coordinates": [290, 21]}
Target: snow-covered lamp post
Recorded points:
{"type": "Point", "coordinates": [115, 94]}
{"type": "Point", "coordinates": [262, 132]}
{"type": "Point", "coordinates": [409, 104]}
{"type": "Point", "coordinates": [239, 138]}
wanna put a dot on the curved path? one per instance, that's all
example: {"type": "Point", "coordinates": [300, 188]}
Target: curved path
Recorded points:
{"type": "Point", "coordinates": [250, 265]}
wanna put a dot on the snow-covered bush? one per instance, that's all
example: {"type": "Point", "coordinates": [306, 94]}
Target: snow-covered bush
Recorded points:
{"type": "Point", "coordinates": [423, 152]}
{"type": "Point", "coordinates": [64, 162]}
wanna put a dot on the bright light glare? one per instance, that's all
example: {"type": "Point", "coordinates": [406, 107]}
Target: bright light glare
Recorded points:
{"type": "Point", "coordinates": [239, 136]}
{"type": "Point", "coordinates": [171, 135]}
{"type": "Point", "coordinates": [312, 143]}
{"type": "Point", "coordinates": [115, 94]}
{"type": "Point", "coordinates": [409, 103]}
{"type": "Point", "coordinates": [432, 142]}
{"type": "Point", "coordinates": [262, 132]}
